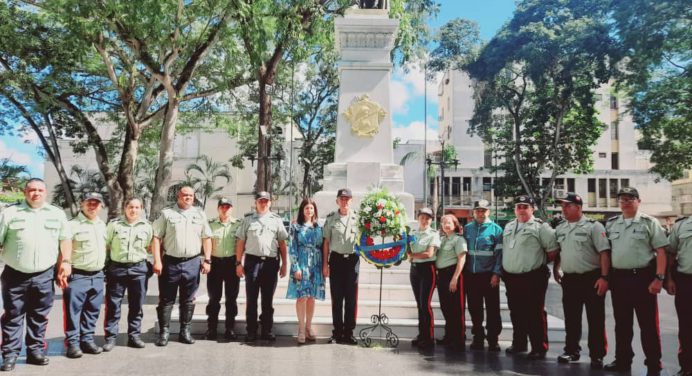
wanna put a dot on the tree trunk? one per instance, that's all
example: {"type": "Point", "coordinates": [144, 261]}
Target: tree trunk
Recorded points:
{"type": "Point", "coordinates": [264, 147]}
{"type": "Point", "coordinates": [163, 172]}
{"type": "Point", "coordinates": [126, 170]}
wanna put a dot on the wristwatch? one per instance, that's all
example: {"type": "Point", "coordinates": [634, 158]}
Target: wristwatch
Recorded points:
{"type": "Point", "coordinates": [238, 263]}
{"type": "Point", "coordinates": [207, 261]}
{"type": "Point", "coordinates": [605, 278]}
{"type": "Point", "coordinates": [661, 277]}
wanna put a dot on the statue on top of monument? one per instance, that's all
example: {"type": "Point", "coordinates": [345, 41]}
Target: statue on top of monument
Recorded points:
{"type": "Point", "coordinates": [371, 4]}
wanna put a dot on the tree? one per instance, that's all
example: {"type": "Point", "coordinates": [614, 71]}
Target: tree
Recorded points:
{"type": "Point", "coordinates": [81, 181]}
{"type": "Point", "coordinates": [202, 176]}
{"type": "Point", "coordinates": [12, 175]}
{"type": "Point", "coordinates": [535, 93]}
{"type": "Point", "coordinates": [656, 50]}
{"type": "Point", "coordinates": [458, 42]}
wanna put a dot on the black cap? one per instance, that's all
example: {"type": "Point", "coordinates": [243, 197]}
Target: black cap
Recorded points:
{"type": "Point", "coordinates": [93, 196]}
{"type": "Point", "coordinates": [426, 211]}
{"type": "Point", "coordinates": [523, 199]}
{"type": "Point", "coordinates": [571, 197]}
{"type": "Point", "coordinates": [224, 201]}
{"type": "Point", "coordinates": [344, 192]}
{"type": "Point", "coordinates": [263, 195]}
{"type": "Point", "coordinates": [628, 191]}
{"type": "Point", "coordinates": [481, 204]}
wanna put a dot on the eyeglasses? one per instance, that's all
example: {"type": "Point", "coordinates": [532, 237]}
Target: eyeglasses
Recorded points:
{"type": "Point", "coordinates": [624, 200]}
{"type": "Point", "coordinates": [521, 206]}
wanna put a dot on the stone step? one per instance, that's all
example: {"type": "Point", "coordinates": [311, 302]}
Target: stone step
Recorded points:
{"type": "Point", "coordinates": [404, 328]}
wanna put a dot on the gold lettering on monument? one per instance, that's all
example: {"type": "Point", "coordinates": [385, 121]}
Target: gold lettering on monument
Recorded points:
{"type": "Point", "coordinates": [365, 116]}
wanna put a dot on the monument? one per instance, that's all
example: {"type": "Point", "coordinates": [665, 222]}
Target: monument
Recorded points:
{"type": "Point", "coordinates": [363, 157]}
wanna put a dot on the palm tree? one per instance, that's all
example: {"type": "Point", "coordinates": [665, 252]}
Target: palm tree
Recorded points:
{"type": "Point", "coordinates": [202, 177]}
{"type": "Point", "coordinates": [12, 175]}
{"type": "Point", "coordinates": [81, 181]}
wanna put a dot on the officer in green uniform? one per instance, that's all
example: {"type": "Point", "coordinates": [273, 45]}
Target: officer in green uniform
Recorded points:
{"type": "Point", "coordinates": [422, 276]}
{"type": "Point", "coordinates": [261, 237]}
{"type": "Point", "coordinates": [528, 244]}
{"type": "Point", "coordinates": [83, 295]}
{"type": "Point", "coordinates": [638, 270]}
{"type": "Point", "coordinates": [679, 283]}
{"type": "Point", "coordinates": [222, 274]}
{"type": "Point", "coordinates": [585, 260]}
{"type": "Point", "coordinates": [342, 267]}
{"type": "Point", "coordinates": [128, 240]}
{"type": "Point", "coordinates": [182, 230]}
{"type": "Point", "coordinates": [33, 235]}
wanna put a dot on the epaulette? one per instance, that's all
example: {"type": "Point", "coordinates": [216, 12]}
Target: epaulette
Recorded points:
{"type": "Point", "coordinates": [612, 218]}
{"type": "Point", "coordinates": [331, 214]}
{"type": "Point", "coordinates": [538, 220]}
{"type": "Point", "coordinates": [591, 220]}
{"type": "Point", "coordinates": [681, 219]}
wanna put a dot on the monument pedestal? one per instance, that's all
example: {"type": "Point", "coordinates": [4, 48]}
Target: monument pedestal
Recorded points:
{"type": "Point", "coordinates": [363, 159]}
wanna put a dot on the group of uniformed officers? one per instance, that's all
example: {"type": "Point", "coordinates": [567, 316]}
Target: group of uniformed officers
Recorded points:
{"type": "Point", "coordinates": [631, 256]}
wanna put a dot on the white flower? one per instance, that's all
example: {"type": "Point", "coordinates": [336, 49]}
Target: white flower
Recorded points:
{"type": "Point", "coordinates": [367, 209]}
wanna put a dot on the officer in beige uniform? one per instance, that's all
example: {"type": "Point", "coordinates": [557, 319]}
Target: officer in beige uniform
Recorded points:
{"type": "Point", "coordinates": [340, 232]}
{"type": "Point", "coordinates": [128, 241]}
{"type": "Point", "coordinates": [639, 265]}
{"type": "Point", "coordinates": [679, 283]}
{"type": "Point", "coordinates": [83, 295]}
{"type": "Point", "coordinates": [261, 238]}
{"type": "Point", "coordinates": [528, 244]}
{"type": "Point", "coordinates": [222, 275]}
{"type": "Point", "coordinates": [33, 235]}
{"type": "Point", "coordinates": [182, 230]}
{"type": "Point", "coordinates": [585, 260]}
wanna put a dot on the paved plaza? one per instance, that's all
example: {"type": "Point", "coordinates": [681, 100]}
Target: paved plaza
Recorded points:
{"type": "Point", "coordinates": [284, 358]}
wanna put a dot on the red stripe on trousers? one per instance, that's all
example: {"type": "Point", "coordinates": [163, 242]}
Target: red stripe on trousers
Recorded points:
{"type": "Point", "coordinates": [430, 297]}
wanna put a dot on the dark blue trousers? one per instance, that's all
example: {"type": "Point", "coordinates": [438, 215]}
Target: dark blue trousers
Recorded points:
{"type": "Point", "coordinates": [82, 299]}
{"type": "Point", "coordinates": [683, 306]}
{"type": "Point", "coordinates": [261, 276]}
{"type": "Point", "coordinates": [526, 301]}
{"type": "Point", "coordinates": [179, 274]}
{"type": "Point", "coordinates": [578, 292]}
{"type": "Point", "coordinates": [30, 296]}
{"type": "Point", "coordinates": [452, 305]}
{"type": "Point", "coordinates": [478, 290]}
{"type": "Point", "coordinates": [343, 287]}
{"type": "Point", "coordinates": [423, 280]}
{"type": "Point", "coordinates": [222, 276]}
{"type": "Point", "coordinates": [120, 278]}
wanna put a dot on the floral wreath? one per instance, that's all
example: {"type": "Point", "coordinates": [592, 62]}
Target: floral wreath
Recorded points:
{"type": "Point", "coordinates": [382, 219]}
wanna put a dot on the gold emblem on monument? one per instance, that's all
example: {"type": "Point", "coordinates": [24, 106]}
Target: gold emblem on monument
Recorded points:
{"type": "Point", "coordinates": [365, 116]}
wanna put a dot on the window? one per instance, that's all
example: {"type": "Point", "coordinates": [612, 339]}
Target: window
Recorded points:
{"type": "Point", "coordinates": [613, 102]}
{"type": "Point", "coordinates": [570, 185]}
{"type": "Point", "coordinates": [614, 132]}
{"type": "Point", "coordinates": [615, 161]}
{"type": "Point", "coordinates": [487, 184]}
{"type": "Point", "coordinates": [591, 184]}
{"type": "Point", "coordinates": [602, 155]}
{"type": "Point", "coordinates": [487, 157]}
{"type": "Point", "coordinates": [602, 190]}
{"type": "Point", "coordinates": [456, 186]}
{"type": "Point", "coordinates": [625, 182]}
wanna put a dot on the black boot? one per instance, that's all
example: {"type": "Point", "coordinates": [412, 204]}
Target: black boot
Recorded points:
{"type": "Point", "coordinates": [186, 312]}
{"type": "Point", "coordinates": [211, 332]}
{"type": "Point", "coordinates": [230, 335]}
{"type": "Point", "coordinates": [164, 316]}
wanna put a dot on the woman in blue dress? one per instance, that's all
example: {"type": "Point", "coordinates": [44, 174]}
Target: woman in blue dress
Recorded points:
{"type": "Point", "coordinates": [306, 281]}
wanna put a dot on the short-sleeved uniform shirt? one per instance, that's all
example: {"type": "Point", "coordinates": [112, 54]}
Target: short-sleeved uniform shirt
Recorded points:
{"type": "Point", "coordinates": [88, 243]}
{"type": "Point", "coordinates": [182, 231]}
{"type": "Point", "coordinates": [341, 232]}
{"type": "Point", "coordinates": [633, 242]}
{"type": "Point", "coordinates": [525, 245]}
{"type": "Point", "coordinates": [262, 234]}
{"type": "Point", "coordinates": [451, 247]}
{"type": "Point", "coordinates": [30, 238]}
{"type": "Point", "coordinates": [581, 243]}
{"type": "Point", "coordinates": [223, 237]}
{"type": "Point", "coordinates": [128, 242]}
{"type": "Point", "coordinates": [424, 239]}
{"type": "Point", "coordinates": [681, 244]}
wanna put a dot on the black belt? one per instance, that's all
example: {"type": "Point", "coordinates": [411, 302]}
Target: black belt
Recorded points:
{"type": "Point", "coordinates": [634, 271]}
{"type": "Point", "coordinates": [223, 258]}
{"type": "Point", "coordinates": [180, 259]}
{"type": "Point", "coordinates": [85, 272]}
{"type": "Point", "coordinates": [263, 258]}
{"type": "Point", "coordinates": [126, 264]}
{"type": "Point", "coordinates": [346, 256]}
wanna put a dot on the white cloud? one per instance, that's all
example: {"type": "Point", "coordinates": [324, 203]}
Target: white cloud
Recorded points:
{"type": "Point", "coordinates": [399, 96]}
{"type": "Point", "coordinates": [414, 131]}
{"type": "Point", "coordinates": [17, 157]}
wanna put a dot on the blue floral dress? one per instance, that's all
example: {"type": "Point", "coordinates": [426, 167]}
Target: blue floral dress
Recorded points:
{"type": "Point", "coordinates": [306, 255]}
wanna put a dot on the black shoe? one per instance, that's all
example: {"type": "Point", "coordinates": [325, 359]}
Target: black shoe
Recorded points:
{"type": "Point", "coordinates": [211, 334]}
{"type": "Point", "coordinates": [135, 342]}
{"type": "Point", "coordinates": [37, 360]}
{"type": "Point", "coordinates": [8, 364]}
{"type": "Point", "coordinates": [515, 350]}
{"type": "Point", "coordinates": [493, 347]}
{"type": "Point", "coordinates": [349, 340]}
{"type": "Point", "coordinates": [91, 348]}
{"type": "Point", "coordinates": [477, 345]}
{"type": "Point", "coordinates": [230, 335]}
{"type": "Point", "coordinates": [684, 373]}
{"type": "Point", "coordinates": [109, 345]}
{"type": "Point", "coordinates": [414, 342]}
{"type": "Point", "coordinates": [444, 341]}
{"type": "Point", "coordinates": [73, 352]}
{"type": "Point", "coordinates": [617, 367]}
{"type": "Point", "coordinates": [536, 355]}
{"type": "Point", "coordinates": [653, 372]}
{"type": "Point", "coordinates": [596, 363]}
{"type": "Point", "coordinates": [268, 336]}
{"type": "Point", "coordinates": [425, 344]}
{"type": "Point", "coordinates": [567, 357]}
{"type": "Point", "coordinates": [333, 339]}
{"type": "Point", "coordinates": [251, 337]}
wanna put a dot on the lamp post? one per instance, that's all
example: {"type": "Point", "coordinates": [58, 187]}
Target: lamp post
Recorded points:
{"type": "Point", "coordinates": [444, 164]}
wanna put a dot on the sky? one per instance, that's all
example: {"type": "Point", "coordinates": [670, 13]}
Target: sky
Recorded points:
{"type": "Point", "coordinates": [408, 88]}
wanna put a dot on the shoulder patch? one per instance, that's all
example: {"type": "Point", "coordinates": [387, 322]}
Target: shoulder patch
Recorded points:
{"type": "Point", "coordinates": [538, 220]}
{"type": "Point", "coordinates": [612, 218]}
{"type": "Point", "coordinates": [591, 220]}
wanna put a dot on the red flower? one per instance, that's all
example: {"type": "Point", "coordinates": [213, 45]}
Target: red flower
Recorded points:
{"type": "Point", "coordinates": [383, 219]}
{"type": "Point", "coordinates": [396, 212]}
{"type": "Point", "coordinates": [367, 225]}
{"type": "Point", "coordinates": [384, 233]}
{"type": "Point", "coordinates": [380, 206]}
{"type": "Point", "coordinates": [369, 241]}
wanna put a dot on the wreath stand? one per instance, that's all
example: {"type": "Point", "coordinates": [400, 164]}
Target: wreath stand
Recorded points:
{"type": "Point", "coordinates": [381, 321]}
